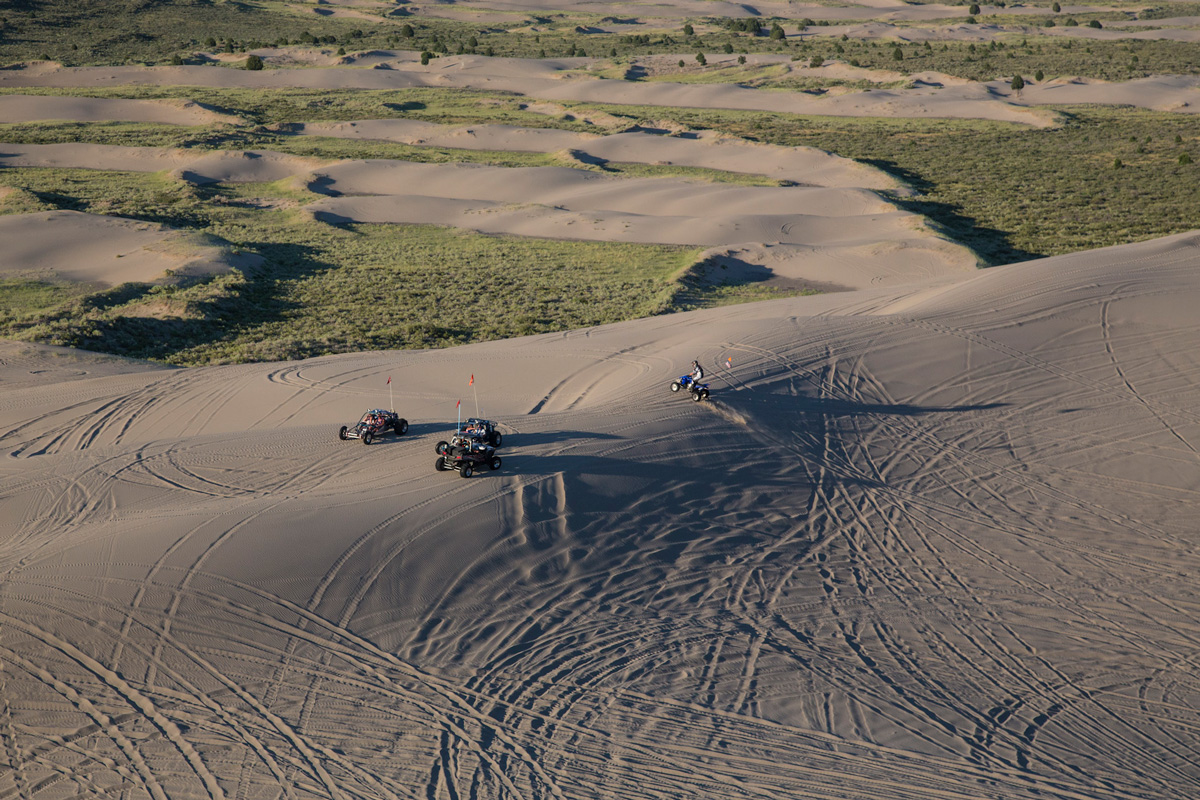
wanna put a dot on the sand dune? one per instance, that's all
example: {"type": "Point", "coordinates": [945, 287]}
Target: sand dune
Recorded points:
{"type": "Point", "coordinates": [837, 237]}
{"type": "Point", "coordinates": [99, 250]}
{"type": "Point", "coordinates": [849, 237]}
{"type": "Point", "coordinates": [23, 108]}
{"type": "Point", "coordinates": [927, 541]}
{"type": "Point", "coordinates": [803, 165]}
{"type": "Point", "coordinates": [551, 79]}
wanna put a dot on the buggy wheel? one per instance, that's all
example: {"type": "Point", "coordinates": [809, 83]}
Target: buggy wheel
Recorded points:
{"type": "Point", "coordinates": [697, 396]}
{"type": "Point", "coordinates": [496, 438]}
{"type": "Point", "coordinates": [495, 462]}
{"type": "Point", "coordinates": [465, 470]}
{"type": "Point", "coordinates": [440, 464]}
{"type": "Point", "coordinates": [367, 437]}
{"type": "Point", "coordinates": [401, 427]}
{"type": "Point", "coordinates": [440, 449]}
{"type": "Point", "coordinates": [342, 433]}
{"type": "Point", "coordinates": [676, 386]}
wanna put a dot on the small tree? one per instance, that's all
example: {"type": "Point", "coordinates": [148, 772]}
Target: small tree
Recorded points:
{"type": "Point", "coordinates": [777, 32]}
{"type": "Point", "coordinates": [407, 31]}
{"type": "Point", "coordinates": [1095, 23]}
{"type": "Point", "coordinates": [1056, 8]}
{"type": "Point", "coordinates": [1018, 83]}
{"type": "Point", "coordinates": [1117, 163]}
{"type": "Point", "coordinates": [973, 10]}
{"type": "Point", "coordinates": [727, 49]}
{"type": "Point", "coordinates": [425, 57]}
{"type": "Point", "coordinates": [688, 30]}
{"type": "Point", "coordinates": [473, 43]}
{"type": "Point", "coordinates": [1039, 76]}
{"type": "Point", "coordinates": [741, 59]}
{"type": "Point", "coordinates": [816, 61]}
{"type": "Point", "coordinates": [898, 54]}
{"type": "Point", "coordinates": [682, 63]}
{"type": "Point", "coordinates": [254, 63]}
{"type": "Point", "coordinates": [701, 60]}
{"type": "Point", "coordinates": [1184, 159]}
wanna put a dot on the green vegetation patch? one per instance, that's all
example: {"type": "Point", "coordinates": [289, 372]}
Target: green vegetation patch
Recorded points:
{"type": "Point", "coordinates": [325, 289]}
{"type": "Point", "coordinates": [1008, 191]}
{"type": "Point", "coordinates": [25, 301]}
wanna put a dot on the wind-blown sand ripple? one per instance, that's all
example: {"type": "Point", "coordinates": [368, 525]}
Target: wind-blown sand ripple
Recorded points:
{"type": "Point", "coordinates": [934, 540]}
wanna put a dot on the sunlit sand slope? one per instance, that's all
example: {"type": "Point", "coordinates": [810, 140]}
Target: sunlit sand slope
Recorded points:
{"type": "Point", "coordinates": [935, 541]}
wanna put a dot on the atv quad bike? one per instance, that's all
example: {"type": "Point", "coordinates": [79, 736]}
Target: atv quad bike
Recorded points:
{"type": "Point", "coordinates": [698, 391]}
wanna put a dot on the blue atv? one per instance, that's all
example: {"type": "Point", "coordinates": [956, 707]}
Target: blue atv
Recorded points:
{"type": "Point", "coordinates": [698, 391]}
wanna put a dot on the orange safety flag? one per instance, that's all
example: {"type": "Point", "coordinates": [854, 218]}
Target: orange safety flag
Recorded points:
{"type": "Point", "coordinates": [458, 404]}
{"type": "Point", "coordinates": [389, 380]}
{"type": "Point", "coordinates": [472, 381]}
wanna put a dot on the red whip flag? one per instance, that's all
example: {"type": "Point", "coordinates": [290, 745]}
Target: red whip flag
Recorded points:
{"type": "Point", "coordinates": [389, 383]}
{"type": "Point", "coordinates": [458, 404]}
{"type": "Point", "coordinates": [472, 381]}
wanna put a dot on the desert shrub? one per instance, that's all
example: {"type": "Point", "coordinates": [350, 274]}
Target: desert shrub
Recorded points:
{"type": "Point", "coordinates": [1018, 83]}
{"type": "Point", "coordinates": [254, 63]}
{"type": "Point", "coordinates": [1184, 159]}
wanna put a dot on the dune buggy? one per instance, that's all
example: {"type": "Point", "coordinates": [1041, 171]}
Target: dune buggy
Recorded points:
{"type": "Point", "coordinates": [373, 424]}
{"type": "Point", "coordinates": [465, 454]}
{"type": "Point", "coordinates": [481, 430]}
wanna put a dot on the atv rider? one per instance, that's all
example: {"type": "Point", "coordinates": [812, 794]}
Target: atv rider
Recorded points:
{"type": "Point", "coordinates": [697, 373]}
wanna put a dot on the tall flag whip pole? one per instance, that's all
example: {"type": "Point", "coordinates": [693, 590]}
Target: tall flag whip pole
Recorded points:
{"type": "Point", "coordinates": [391, 402]}
{"type": "Point", "coordinates": [459, 407]}
{"type": "Point", "coordinates": [471, 383]}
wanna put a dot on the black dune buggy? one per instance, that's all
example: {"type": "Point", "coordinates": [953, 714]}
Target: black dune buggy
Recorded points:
{"type": "Point", "coordinates": [465, 454]}
{"type": "Point", "coordinates": [373, 424]}
{"type": "Point", "coordinates": [481, 430]}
